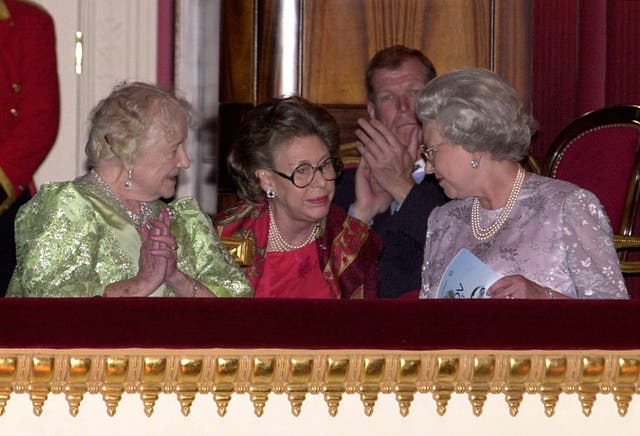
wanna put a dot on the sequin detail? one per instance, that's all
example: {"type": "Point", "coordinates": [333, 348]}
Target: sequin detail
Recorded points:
{"type": "Point", "coordinates": [72, 242]}
{"type": "Point", "coordinates": [139, 220]}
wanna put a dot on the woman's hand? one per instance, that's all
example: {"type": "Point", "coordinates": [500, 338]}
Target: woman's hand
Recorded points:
{"type": "Point", "coordinates": [151, 269]}
{"type": "Point", "coordinates": [182, 284]}
{"type": "Point", "coordinates": [371, 198]}
{"type": "Point", "coordinates": [517, 286]}
{"type": "Point", "coordinates": [166, 246]}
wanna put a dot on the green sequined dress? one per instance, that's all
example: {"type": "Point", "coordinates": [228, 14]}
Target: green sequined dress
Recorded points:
{"type": "Point", "coordinates": [73, 239]}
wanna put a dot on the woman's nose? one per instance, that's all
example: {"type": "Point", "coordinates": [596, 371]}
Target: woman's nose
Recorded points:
{"type": "Point", "coordinates": [184, 162]}
{"type": "Point", "coordinates": [318, 178]}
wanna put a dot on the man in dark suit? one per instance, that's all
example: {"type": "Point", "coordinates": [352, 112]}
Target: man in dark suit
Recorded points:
{"type": "Point", "coordinates": [389, 188]}
{"type": "Point", "coordinates": [29, 111]}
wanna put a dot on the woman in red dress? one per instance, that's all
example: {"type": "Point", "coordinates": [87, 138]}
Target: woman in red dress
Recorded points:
{"type": "Point", "coordinates": [285, 163]}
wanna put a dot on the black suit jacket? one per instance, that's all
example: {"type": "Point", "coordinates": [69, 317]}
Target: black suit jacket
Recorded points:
{"type": "Point", "coordinates": [403, 233]}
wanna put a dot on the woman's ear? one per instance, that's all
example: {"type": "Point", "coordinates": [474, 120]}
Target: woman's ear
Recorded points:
{"type": "Point", "coordinates": [477, 156]}
{"type": "Point", "coordinates": [264, 177]}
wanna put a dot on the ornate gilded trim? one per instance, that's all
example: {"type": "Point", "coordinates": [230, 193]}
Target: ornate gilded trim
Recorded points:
{"type": "Point", "coordinates": [242, 249]}
{"type": "Point", "coordinates": [330, 373]}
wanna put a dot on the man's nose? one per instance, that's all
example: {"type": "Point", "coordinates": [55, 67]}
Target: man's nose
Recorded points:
{"type": "Point", "coordinates": [429, 169]}
{"type": "Point", "coordinates": [405, 104]}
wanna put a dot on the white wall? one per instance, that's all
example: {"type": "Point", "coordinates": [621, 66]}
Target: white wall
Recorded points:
{"type": "Point", "coordinates": [62, 161]}
{"type": "Point", "coordinates": [120, 43]}
{"type": "Point", "coordinates": [197, 77]}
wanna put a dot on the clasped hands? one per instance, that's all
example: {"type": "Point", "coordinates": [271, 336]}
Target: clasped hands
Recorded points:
{"type": "Point", "coordinates": [158, 254]}
{"type": "Point", "coordinates": [384, 172]}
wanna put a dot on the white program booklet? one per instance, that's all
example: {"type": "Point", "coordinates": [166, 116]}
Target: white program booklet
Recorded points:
{"type": "Point", "coordinates": [466, 277]}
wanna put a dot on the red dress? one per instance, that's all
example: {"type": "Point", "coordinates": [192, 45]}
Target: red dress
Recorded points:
{"type": "Point", "coordinates": [346, 252]}
{"type": "Point", "coordinates": [292, 274]}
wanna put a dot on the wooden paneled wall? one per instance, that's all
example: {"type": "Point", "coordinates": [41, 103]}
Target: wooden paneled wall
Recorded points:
{"type": "Point", "coordinates": [334, 40]}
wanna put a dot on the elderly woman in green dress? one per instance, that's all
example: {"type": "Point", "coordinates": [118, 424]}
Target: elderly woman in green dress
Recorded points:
{"type": "Point", "coordinates": [107, 233]}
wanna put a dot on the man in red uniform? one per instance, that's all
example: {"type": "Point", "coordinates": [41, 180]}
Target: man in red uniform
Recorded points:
{"type": "Point", "coordinates": [29, 112]}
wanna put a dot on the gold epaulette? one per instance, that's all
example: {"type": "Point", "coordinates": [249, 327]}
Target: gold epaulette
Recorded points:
{"type": "Point", "coordinates": [6, 188]}
{"type": "Point", "coordinates": [4, 11]}
{"type": "Point", "coordinates": [5, 14]}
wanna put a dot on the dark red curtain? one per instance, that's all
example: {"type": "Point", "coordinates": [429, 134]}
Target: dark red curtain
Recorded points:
{"type": "Point", "coordinates": [585, 56]}
{"type": "Point", "coordinates": [166, 37]}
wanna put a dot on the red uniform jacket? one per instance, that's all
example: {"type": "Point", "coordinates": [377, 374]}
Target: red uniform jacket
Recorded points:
{"type": "Point", "coordinates": [29, 95]}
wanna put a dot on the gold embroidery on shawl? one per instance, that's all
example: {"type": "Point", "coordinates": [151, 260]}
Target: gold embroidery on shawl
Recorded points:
{"type": "Point", "coordinates": [344, 250]}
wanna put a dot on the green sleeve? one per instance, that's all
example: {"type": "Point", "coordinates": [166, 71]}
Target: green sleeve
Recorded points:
{"type": "Point", "coordinates": [56, 246]}
{"type": "Point", "coordinates": [201, 253]}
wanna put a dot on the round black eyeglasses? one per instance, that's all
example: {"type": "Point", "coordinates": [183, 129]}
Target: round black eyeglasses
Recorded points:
{"type": "Point", "coordinates": [303, 174]}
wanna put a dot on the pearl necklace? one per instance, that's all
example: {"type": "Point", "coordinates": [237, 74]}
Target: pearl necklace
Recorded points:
{"type": "Point", "coordinates": [278, 242]}
{"type": "Point", "coordinates": [146, 209]}
{"type": "Point", "coordinates": [483, 234]}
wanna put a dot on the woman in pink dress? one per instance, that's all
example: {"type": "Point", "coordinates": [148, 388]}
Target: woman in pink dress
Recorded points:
{"type": "Point", "coordinates": [547, 238]}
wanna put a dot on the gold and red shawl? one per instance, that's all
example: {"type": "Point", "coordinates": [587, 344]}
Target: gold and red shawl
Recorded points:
{"type": "Point", "coordinates": [348, 249]}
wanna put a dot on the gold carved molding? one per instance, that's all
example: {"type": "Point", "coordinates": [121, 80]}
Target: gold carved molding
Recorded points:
{"type": "Point", "coordinates": [222, 373]}
{"type": "Point", "coordinates": [242, 249]}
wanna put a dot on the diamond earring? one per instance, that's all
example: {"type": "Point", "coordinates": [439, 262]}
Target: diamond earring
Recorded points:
{"type": "Point", "coordinates": [128, 183]}
{"type": "Point", "coordinates": [271, 193]}
{"type": "Point", "coordinates": [474, 164]}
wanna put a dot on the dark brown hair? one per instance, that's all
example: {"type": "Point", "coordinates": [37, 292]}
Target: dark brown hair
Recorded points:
{"type": "Point", "coordinates": [272, 125]}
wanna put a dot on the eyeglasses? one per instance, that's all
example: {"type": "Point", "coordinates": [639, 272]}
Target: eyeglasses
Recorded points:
{"type": "Point", "coordinates": [303, 175]}
{"type": "Point", "coordinates": [429, 151]}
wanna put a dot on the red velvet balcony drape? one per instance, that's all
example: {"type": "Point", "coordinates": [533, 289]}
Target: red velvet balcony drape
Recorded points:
{"type": "Point", "coordinates": [239, 323]}
{"type": "Point", "coordinates": [585, 56]}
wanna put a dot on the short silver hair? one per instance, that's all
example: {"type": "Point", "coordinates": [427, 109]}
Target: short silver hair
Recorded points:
{"type": "Point", "coordinates": [121, 121]}
{"type": "Point", "coordinates": [476, 109]}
